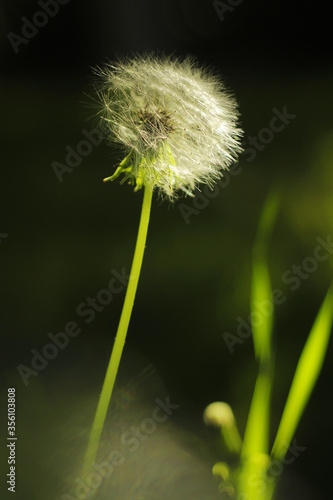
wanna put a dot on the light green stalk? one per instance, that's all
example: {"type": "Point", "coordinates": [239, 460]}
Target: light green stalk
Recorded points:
{"type": "Point", "coordinates": [254, 453]}
{"type": "Point", "coordinates": [117, 350]}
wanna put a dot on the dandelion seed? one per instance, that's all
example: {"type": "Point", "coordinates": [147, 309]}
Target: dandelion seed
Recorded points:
{"type": "Point", "coordinates": [175, 122]}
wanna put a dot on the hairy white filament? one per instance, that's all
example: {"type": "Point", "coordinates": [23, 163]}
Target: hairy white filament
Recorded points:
{"type": "Point", "coordinates": [176, 122]}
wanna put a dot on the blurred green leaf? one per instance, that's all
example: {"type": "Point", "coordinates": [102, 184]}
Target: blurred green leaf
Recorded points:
{"type": "Point", "coordinates": [306, 375]}
{"type": "Point", "coordinates": [257, 428]}
{"type": "Point", "coordinates": [262, 307]}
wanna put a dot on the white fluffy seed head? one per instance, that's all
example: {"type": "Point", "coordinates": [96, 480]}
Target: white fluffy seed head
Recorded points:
{"type": "Point", "coordinates": [175, 120]}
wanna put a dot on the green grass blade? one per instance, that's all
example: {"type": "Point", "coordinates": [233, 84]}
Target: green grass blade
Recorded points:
{"type": "Point", "coordinates": [262, 309]}
{"type": "Point", "coordinates": [262, 306]}
{"type": "Point", "coordinates": [257, 427]}
{"type": "Point", "coordinates": [306, 375]}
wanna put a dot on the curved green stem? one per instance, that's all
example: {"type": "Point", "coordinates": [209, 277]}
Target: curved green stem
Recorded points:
{"type": "Point", "coordinates": [117, 350]}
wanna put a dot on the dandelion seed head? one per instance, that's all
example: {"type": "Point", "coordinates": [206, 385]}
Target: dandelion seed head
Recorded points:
{"type": "Point", "coordinates": [175, 121]}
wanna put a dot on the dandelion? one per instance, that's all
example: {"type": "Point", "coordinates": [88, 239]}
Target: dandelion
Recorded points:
{"type": "Point", "coordinates": [177, 126]}
{"type": "Point", "coordinates": [174, 120]}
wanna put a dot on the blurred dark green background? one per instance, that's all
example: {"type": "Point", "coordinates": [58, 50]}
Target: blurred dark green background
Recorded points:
{"type": "Point", "coordinates": [60, 240]}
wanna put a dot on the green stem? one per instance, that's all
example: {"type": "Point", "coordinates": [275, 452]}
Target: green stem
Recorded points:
{"type": "Point", "coordinates": [117, 350]}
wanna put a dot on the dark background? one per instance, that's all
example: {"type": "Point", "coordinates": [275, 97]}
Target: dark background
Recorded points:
{"type": "Point", "coordinates": [60, 240]}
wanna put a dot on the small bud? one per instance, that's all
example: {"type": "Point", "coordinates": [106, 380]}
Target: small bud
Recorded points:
{"type": "Point", "coordinates": [221, 469]}
{"type": "Point", "coordinates": [221, 415]}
